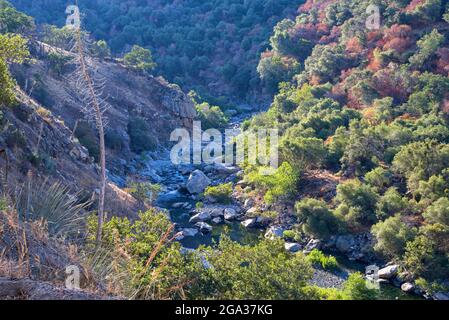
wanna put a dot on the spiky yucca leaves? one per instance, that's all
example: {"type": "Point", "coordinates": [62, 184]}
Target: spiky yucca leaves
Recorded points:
{"type": "Point", "coordinates": [53, 203]}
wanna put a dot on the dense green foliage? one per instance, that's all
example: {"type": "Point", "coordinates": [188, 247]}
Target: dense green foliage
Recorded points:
{"type": "Point", "coordinates": [369, 106]}
{"type": "Point", "coordinates": [221, 193]}
{"type": "Point", "coordinates": [139, 59]}
{"type": "Point", "coordinates": [145, 262]}
{"type": "Point", "coordinates": [13, 49]}
{"type": "Point", "coordinates": [210, 46]}
{"type": "Point", "coordinates": [317, 258]}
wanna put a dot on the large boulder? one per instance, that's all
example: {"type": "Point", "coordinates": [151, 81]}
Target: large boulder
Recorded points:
{"type": "Point", "coordinates": [221, 168]}
{"type": "Point", "coordinates": [407, 287]}
{"type": "Point", "coordinates": [201, 217]}
{"type": "Point", "coordinates": [230, 214]}
{"type": "Point", "coordinates": [216, 212]}
{"type": "Point", "coordinates": [274, 232]}
{"type": "Point", "coordinates": [250, 223]}
{"type": "Point", "coordinates": [388, 272]}
{"type": "Point", "coordinates": [198, 182]}
{"type": "Point", "coordinates": [189, 232]}
{"type": "Point", "coordinates": [204, 227]}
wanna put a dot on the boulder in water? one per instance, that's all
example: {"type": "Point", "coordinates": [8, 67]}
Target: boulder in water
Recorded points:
{"type": "Point", "coordinates": [250, 223]}
{"type": "Point", "coordinates": [204, 227]}
{"type": "Point", "coordinates": [200, 217]}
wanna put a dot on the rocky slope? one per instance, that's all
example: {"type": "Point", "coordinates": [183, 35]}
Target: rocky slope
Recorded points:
{"type": "Point", "coordinates": [37, 134]}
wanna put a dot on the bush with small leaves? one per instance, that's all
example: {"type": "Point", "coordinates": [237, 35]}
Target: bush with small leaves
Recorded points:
{"type": "Point", "coordinates": [317, 219]}
{"type": "Point", "coordinates": [318, 258]}
{"type": "Point", "coordinates": [392, 236]}
{"type": "Point", "coordinates": [139, 59]}
{"type": "Point", "coordinates": [355, 288]}
{"type": "Point", "coordinates": [438, 212]}
{"type": "Point", "coordinates": [221, 193]}
{"type": "Point", "coordinates": [391, 203]}
{"type": "Point", "coordinates": [357, 203]}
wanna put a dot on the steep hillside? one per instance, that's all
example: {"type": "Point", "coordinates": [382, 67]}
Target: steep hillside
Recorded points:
{"type": "Point", "coordinates": [143, 109]}
{"type": "Point", "coordinates": [371, 105]}
{"type": "Point", "coordinates": [210, 46]}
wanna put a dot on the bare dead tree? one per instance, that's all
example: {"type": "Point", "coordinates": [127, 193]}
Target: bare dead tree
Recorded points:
{"type": "Point", "coordinates": [90, 88]}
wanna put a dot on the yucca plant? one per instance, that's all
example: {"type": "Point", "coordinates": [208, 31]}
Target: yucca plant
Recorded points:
{"type": "Point", "coordinates": [53, 203]}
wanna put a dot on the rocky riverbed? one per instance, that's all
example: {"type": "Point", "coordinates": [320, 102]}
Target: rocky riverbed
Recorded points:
{"type": "Point", "coordinates": [182, 186]}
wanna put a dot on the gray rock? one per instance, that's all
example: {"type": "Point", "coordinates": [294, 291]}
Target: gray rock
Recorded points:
{"type": "Point", "coordinates": [344, 243]}
{"type": "Point", "coordinates": [292, 247]}
{"type": "Point", "coordinates": [274, 232]}
{"type": "Point", "coordinates": [178, 205]}
{"type": "Point", "coordinates": [216, 212]}
{"type": "Point", "coordinates": [250, 223]}
{"type": "Point", "coordinates": [204, 227]}
{"type": "Point", "coordinates": [388, 272]}
{"type": "Point", "coordinates": [197, 182]}
{"type": "Point", "coordinates": [217, 220]}
{"type": "Point", "coordinates": [169, 196]}
{"type": "Point", "coordinates": [189, 232]}
{"type": "Point", "coordinates": [230, 214]}
{"type": "Point", "coordinates": [312, 245]}
{"type": "Point", "coordinates": [408, 287]}
{"type": "Point", "coordinates": [224, 169]}
{"type": "Point", "coordinates": [200, 217]}
{"type": "Point", "coordinates": [248, 203]}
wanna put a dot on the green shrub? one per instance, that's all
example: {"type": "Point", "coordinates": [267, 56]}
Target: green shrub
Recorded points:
{"type": "Point", "coordinates": [15, 138]}
{"type": "Point", "coordinates": [317, 219]}
{"type": "Point", "coordinates": [291, 235]}
{"type": "Point", "coordinates": [316, 257]}
{"type": "Point", "coordinates": [221, 193]}
{"type": "Point", "coordinates": [262, 271]}
{"type": "Point", "coordinates": [379, 178]}
{"type": "Point", "coordinates": [355, 288]}
{"type": "Point", "coordinates": [211, 116]}
{"type": "Point", "coordinates": [144, 192]}
{"type": "Point", "coordinates": [113, 140]}
{"type": "Point", "coordinates": [392, 236]}
{"type": "Point", "coordinates": [391, 203]}
{"type": "Point", "coordinates": [276, 185]}
{"type": "Point", "coordinates": [438, 212]}
{"type": "Point", "coordinates": [140, 59]}
{"type": "Point", "coordinates": [57, 62]}
{"type": "Point", "coordinates": [140, 136]}
{"type": "Point", "coordinates": [423, 258]}
{"type": "Point", "coordinates": [135, 261]}
{"type": "Point", "coordinates": [357, 203]}
{"type": "Point", "coordinates": [86, 135]}
{"type": "Point", "coordinates": [199, 205]}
